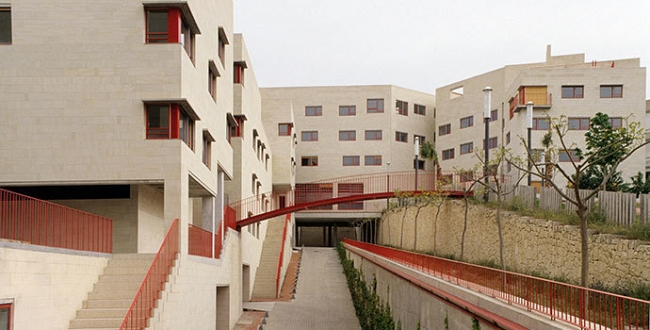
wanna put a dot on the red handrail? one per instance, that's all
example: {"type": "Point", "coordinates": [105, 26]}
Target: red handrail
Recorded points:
{"type": "Point", "coordinates": [582, 307]}
{"type": "Point", "coordinates": [145, 299]}
{"type": "Point", "coordinates": [38, 222]}
{"type": "Point", "coordinates": [278, 273]}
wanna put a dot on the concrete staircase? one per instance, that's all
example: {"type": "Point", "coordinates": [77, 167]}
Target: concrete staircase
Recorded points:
{"type": "Point", "coordinates": [264, 287]}
{"type": "Point", "coordinates": [112, 296]}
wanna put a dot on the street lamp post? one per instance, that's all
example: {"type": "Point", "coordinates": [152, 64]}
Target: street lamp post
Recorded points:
{"type": "Point", "coordinates": [416, 151]}
{"type": "Point", "coordinates": [486, 115]}
{"type": "Point", "coordinates": [529, 125]}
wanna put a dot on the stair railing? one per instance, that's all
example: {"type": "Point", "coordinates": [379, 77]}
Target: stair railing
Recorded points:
{"type": "Point", "coordinates": [145, 299]}
{"type": "Point", "coordinates": [280, 257]}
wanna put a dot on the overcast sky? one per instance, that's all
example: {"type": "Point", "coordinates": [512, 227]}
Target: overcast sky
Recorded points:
{"type": "Point", "coordinates": [426, 44]}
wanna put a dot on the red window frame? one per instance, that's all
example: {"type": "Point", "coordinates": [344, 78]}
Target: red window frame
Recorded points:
{"type": "Point", "coordinates": [444, 129]}
{"type": "Point", "coordinates": [467, 122]}
{"type": "Point", "coordinates": [238, 74]}
{"type": "Point", "coordinates": [402, 107]}
{"type": "Point", "coordinates": [611, 91]}
{"type": "Point", "coordinates": [313, 110]}
{"type": "Point", "coordinates": [543, 124]}
{"type": "Point", "coordinates": [419, 109]}
{"type": "Point", "coordinates": [9, 308]}
{"type": "Point", "coordinates": [373, 135]}
{"type": "Point", "coordinates": [616, 122]}
{"type": "Point", "coordinates": [401, 137]}
{"type": "Point", "coordinates": [309, 161]}
{"type": "Point", "coordinates": [494, 115]}
{"type": "Point", "coordinates": [223, 41]}
{"type": "Point", "coordinates": [448, 154]}
{"type": "Point", "coordinates": [578, 123]}
{"type": "Point", "coordinates": [372, 160]}
{"type": "Point", "coordinates": [347, 110]}
{"type": "Point", "coordinates": [179, 124]}
{"type": "Point", "coordinates": [573, 92]}
{"type": "Point", "coordinates": [466, 148]}
{"type": "Point", "coordinates": [207, 151]}
{"type": "Point", "coordinates": [564, 156]}
{"type": "Point", "coordinates": [493, 142]}
{"type": "Point", "coordinates": [347, 135]}
{"type": "Point", "coordinates": [309, 135]}
{"type": "Point", "coordinates": [419, 138]}
{"type": "Point", "coordinates": [351, 161]}
{"type": "Point", "coordinates": [375, 105]}
{"type": "Point", "coordinates": [284, 129]}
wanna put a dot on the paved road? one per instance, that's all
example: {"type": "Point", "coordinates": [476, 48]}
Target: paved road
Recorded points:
{"type": "Point", "coordinates": [322, 297]}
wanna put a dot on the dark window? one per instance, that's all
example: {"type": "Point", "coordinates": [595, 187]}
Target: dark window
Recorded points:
{"type": "Point", "coordinates": [492, 143]}
{"type": "Point", "coordinates": [617, 122]}
{"type": "Point", "coordinates": [5, 316]}
{"type": "Point", "coordinates": [401, 137]}
{"type": "Point", "coordinates": [238, 74]}
{"type": "Point", "coordinates": [507, 138]}
{"type": "Point", "coordinates": [313, 111]}
{"type": "Point", "coordinates": [444, 129]}
{"type": "Point", "coordinates": [572, 92]}
{"type": "Point", "coordinates": [541, 124]}
{"type": "Point", "coordinates": [187, 38]}
{"type": "Point", "coordinates": [494, 115]}
{"type": "Point", "coordinates": [309, 135]}
{"type": "Point", "coordinates": [223, 41]}
{"type": "Point", "coordinates": [5, 25]}
{"type": "Point", "coordinates": [350, 160]}
{"type": "Point", "coordinates": [157, 26]}
{"type": "Point", "coordinates": [419, 109]}
{"type": "Point", "coordinates": [611, 91]}
{"type": "Point", "coordinates": [402, 108]}
{"type": "Point", "coordinates": [372, 160]}
{"type": "Point", "coordinates": [466, 176]}
{"type": "Point", "coordinates": [207, 150]}
{"type": "Point", "coordinates": [448, 154]}
{"type": "Point", "coordinates": [467, 122]}
{"type": "Point", "coordinates": [373, 135]}
{"type": "Point", "coordinates": [347, 110]}
{"type": "Point", "coordinates": [309, 161]}
{"type": "Point", "coordinates": [284, 129]}
{"type": "Point", "coordinates": [375, 105]}
{"type": "Point", "coordinates": [419, 138]}
{"type": "Point", "coordinates": [186, 129]}
{"type": "Point", "coordinates": [565, 156]}
{"type": "Point", "coordinates": [212, 80]}
{"type": "Point", "coordinates": [238, 130]}
{"type": "Point", "coordinates": [347, 135]}
{"type": "Point", "coordinates": [466, 148]}
{"type": "Point", "coordinates": [158, 118]}
{"type": "Point", "coordinates": [576, 123]}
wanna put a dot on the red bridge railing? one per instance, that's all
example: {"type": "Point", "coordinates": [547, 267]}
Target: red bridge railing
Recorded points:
{"type": "Point", "coordinates": [145, 299]}
{"type": "Point", "coordinates": [33, 221]}
{"type": "Point", "coordinates": [582, 307]}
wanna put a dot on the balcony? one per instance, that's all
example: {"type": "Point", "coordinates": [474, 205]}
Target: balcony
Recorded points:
{"type": "Point", "coordinates": [536, 94]}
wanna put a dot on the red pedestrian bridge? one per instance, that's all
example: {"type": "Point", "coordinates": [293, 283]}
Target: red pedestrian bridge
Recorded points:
{"type": "Point", "coordinates": [349, 192]}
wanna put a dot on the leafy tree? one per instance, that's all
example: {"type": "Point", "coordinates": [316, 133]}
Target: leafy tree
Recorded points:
{"type": "Point", "coordinates": [606, 148]}
{"type": "Point", "coordinates": [428, 151]}
{"type": "Point", "coordinates": [593, 177]}
{"type": "Point", "coordinates": [639, 185]}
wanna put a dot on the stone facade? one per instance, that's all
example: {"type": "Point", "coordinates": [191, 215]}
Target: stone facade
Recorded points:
{"type": "Point", "coordinates": [531, 245]}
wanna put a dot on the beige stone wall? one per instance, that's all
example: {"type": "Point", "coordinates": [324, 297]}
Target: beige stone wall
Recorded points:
{"type": "Point", "coordinates": [47, 287]}
{"type": "Point", "coordinates": [531, 245]}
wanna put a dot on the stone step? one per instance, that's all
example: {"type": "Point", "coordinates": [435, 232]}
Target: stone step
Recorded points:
{"type": "Point", "coordinates": [117, 286]}
{"type": "Point", "coordinates": [124, 270]}
{"type": "Point", "coordinates": [102, 313]}
{"type": "Point", "coordinates": [134, 256]}
{"type": "Point", "coordinates": [111, 295]}
{"type": "Point", "coordinates": [121, 278]}
{"type": "Point", "coordinates": [111, 303]}
{"type": "Point", "coordinates": [96, 323]}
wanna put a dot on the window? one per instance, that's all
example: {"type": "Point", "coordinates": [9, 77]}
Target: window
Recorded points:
{"type": "Point", "coordinates": [494, 115]}
{"type": "Point", "coordinates": [611, 91]}
{"type": "Point", "coordinates": [401, 137]}
{"type": "Point", "coordinates": [467, 122]}
{"type": "Point", "coordinates": [187, 38]}
{"type": "Point", "coordinates": [419, 109]}
{"type": "Point", "coordinates": [420, 138]}
{"type": "Point", "coordinates": [5, 25]}
{"type": "Point", "coordinates": [372, 160]}
{"type": "Point", "coordinates": [169, 121]}
{"type": "Point", "coordinates": [492, 143]}
{"type": "Point", "coordinates": [444, 129]}
{"type": "Point", "coordinates": [466, 176]}
{"type": "Point", "coordinates": [313, 111]}
{"type": "Point", "coordinates": [542, 124]}
{"type": "Point", "coordinates": [565, 156]}
{"type": "Point", "coordinates": [5, 316]}
{"type": "Point", "coordinates": [373, 135]}
{"type": "Point", "coordinates": [508, 138]}
{"type": "Point", "coordinates": [157, 26]}
{"type": "Point", "coordinates": [375, 105]}
{"type": "Point", "coordinates": [347, 110]}
{"type": "Point", "coordinates": [239, 129]}
{"type": "Point", "coordinates": [577, 123]}
{"type": "Point", "coordinates": [238, 74]}
{"type": "Point", "coordinates": [448, 154]}
{"type": "Point", "coordinates": [350, 160]}
{"type": "Point", "coordinates": [212, 79]}
{"type": "Point", "coordinates": [309, 161]}
{"type": "Point", "coordinates": [402, 108]}
{"type": "Point", "coordinates": [420, 164]}
{"type": "Point", "coordinates": [347, 135]}
{"type": "Point", "coordinates": [617, 122]}
{"type": "Point", "coordinates": [159, 21]}
{"type": "Point", "coordinates": [284, 129]}
{"type": "Point", "coordinates": [573, 92]}
{"type": "Point", "coordinates": [309, 135]}
{"type": "Point", "coordinates": [466, 148]}
{"type": "Point", "coordinates": [207, 149]}
{"type": "Point", "coordinates": [223, 41]}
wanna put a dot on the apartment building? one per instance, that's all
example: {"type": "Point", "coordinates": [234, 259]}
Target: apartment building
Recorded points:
{"type": "Point", "coordinates": [143, 112]}
{"type": "Point", "coordinates": [562, 85]}
{"type": "Point", "coordinates": [349, 130]}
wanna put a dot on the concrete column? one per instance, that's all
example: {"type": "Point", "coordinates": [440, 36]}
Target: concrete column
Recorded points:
{"type": "Point", "coordinates": [176, 207]}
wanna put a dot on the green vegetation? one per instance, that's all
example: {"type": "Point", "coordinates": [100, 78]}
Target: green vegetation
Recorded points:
{"type": "Point", "coordinates": [373, 314]}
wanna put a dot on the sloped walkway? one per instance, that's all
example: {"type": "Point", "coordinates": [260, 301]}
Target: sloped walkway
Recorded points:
{"type": "Point", "coordinates": [322, 297]}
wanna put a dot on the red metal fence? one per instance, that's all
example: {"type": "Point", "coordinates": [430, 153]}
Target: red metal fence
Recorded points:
{"type": "Point", "coordinates": [145, 300]}
{"type": "Point", "coordinates": [32, 221]}
{"type": "Point", "coordinates": [585, 308]}
{"type": "Point", "coordinates": [200, 241]}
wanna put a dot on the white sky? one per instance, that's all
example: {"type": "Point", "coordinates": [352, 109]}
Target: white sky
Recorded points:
{"type": "Point", "coordinates": [426, 44]}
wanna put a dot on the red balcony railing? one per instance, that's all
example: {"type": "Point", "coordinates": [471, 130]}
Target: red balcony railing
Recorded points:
{"type": "Point", "coordinates": [145, 299]}
{"type": "Point", "coordinates": [582, 307]}
{"type": "Point", "coordinates": [200, 240]}
{"type": "Point", "coordinates": [32, 221]}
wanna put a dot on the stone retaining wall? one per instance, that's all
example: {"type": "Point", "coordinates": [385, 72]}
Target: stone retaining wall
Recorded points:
{"type": "Point", "coordinates": [531, 245]}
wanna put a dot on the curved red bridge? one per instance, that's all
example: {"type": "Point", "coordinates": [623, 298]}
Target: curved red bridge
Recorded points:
{"type": "Point", "coordinates": [348, 190]}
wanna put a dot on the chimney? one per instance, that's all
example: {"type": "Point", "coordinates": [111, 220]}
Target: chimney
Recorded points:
{"type": "Point", "coordinates": [548, 53]}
